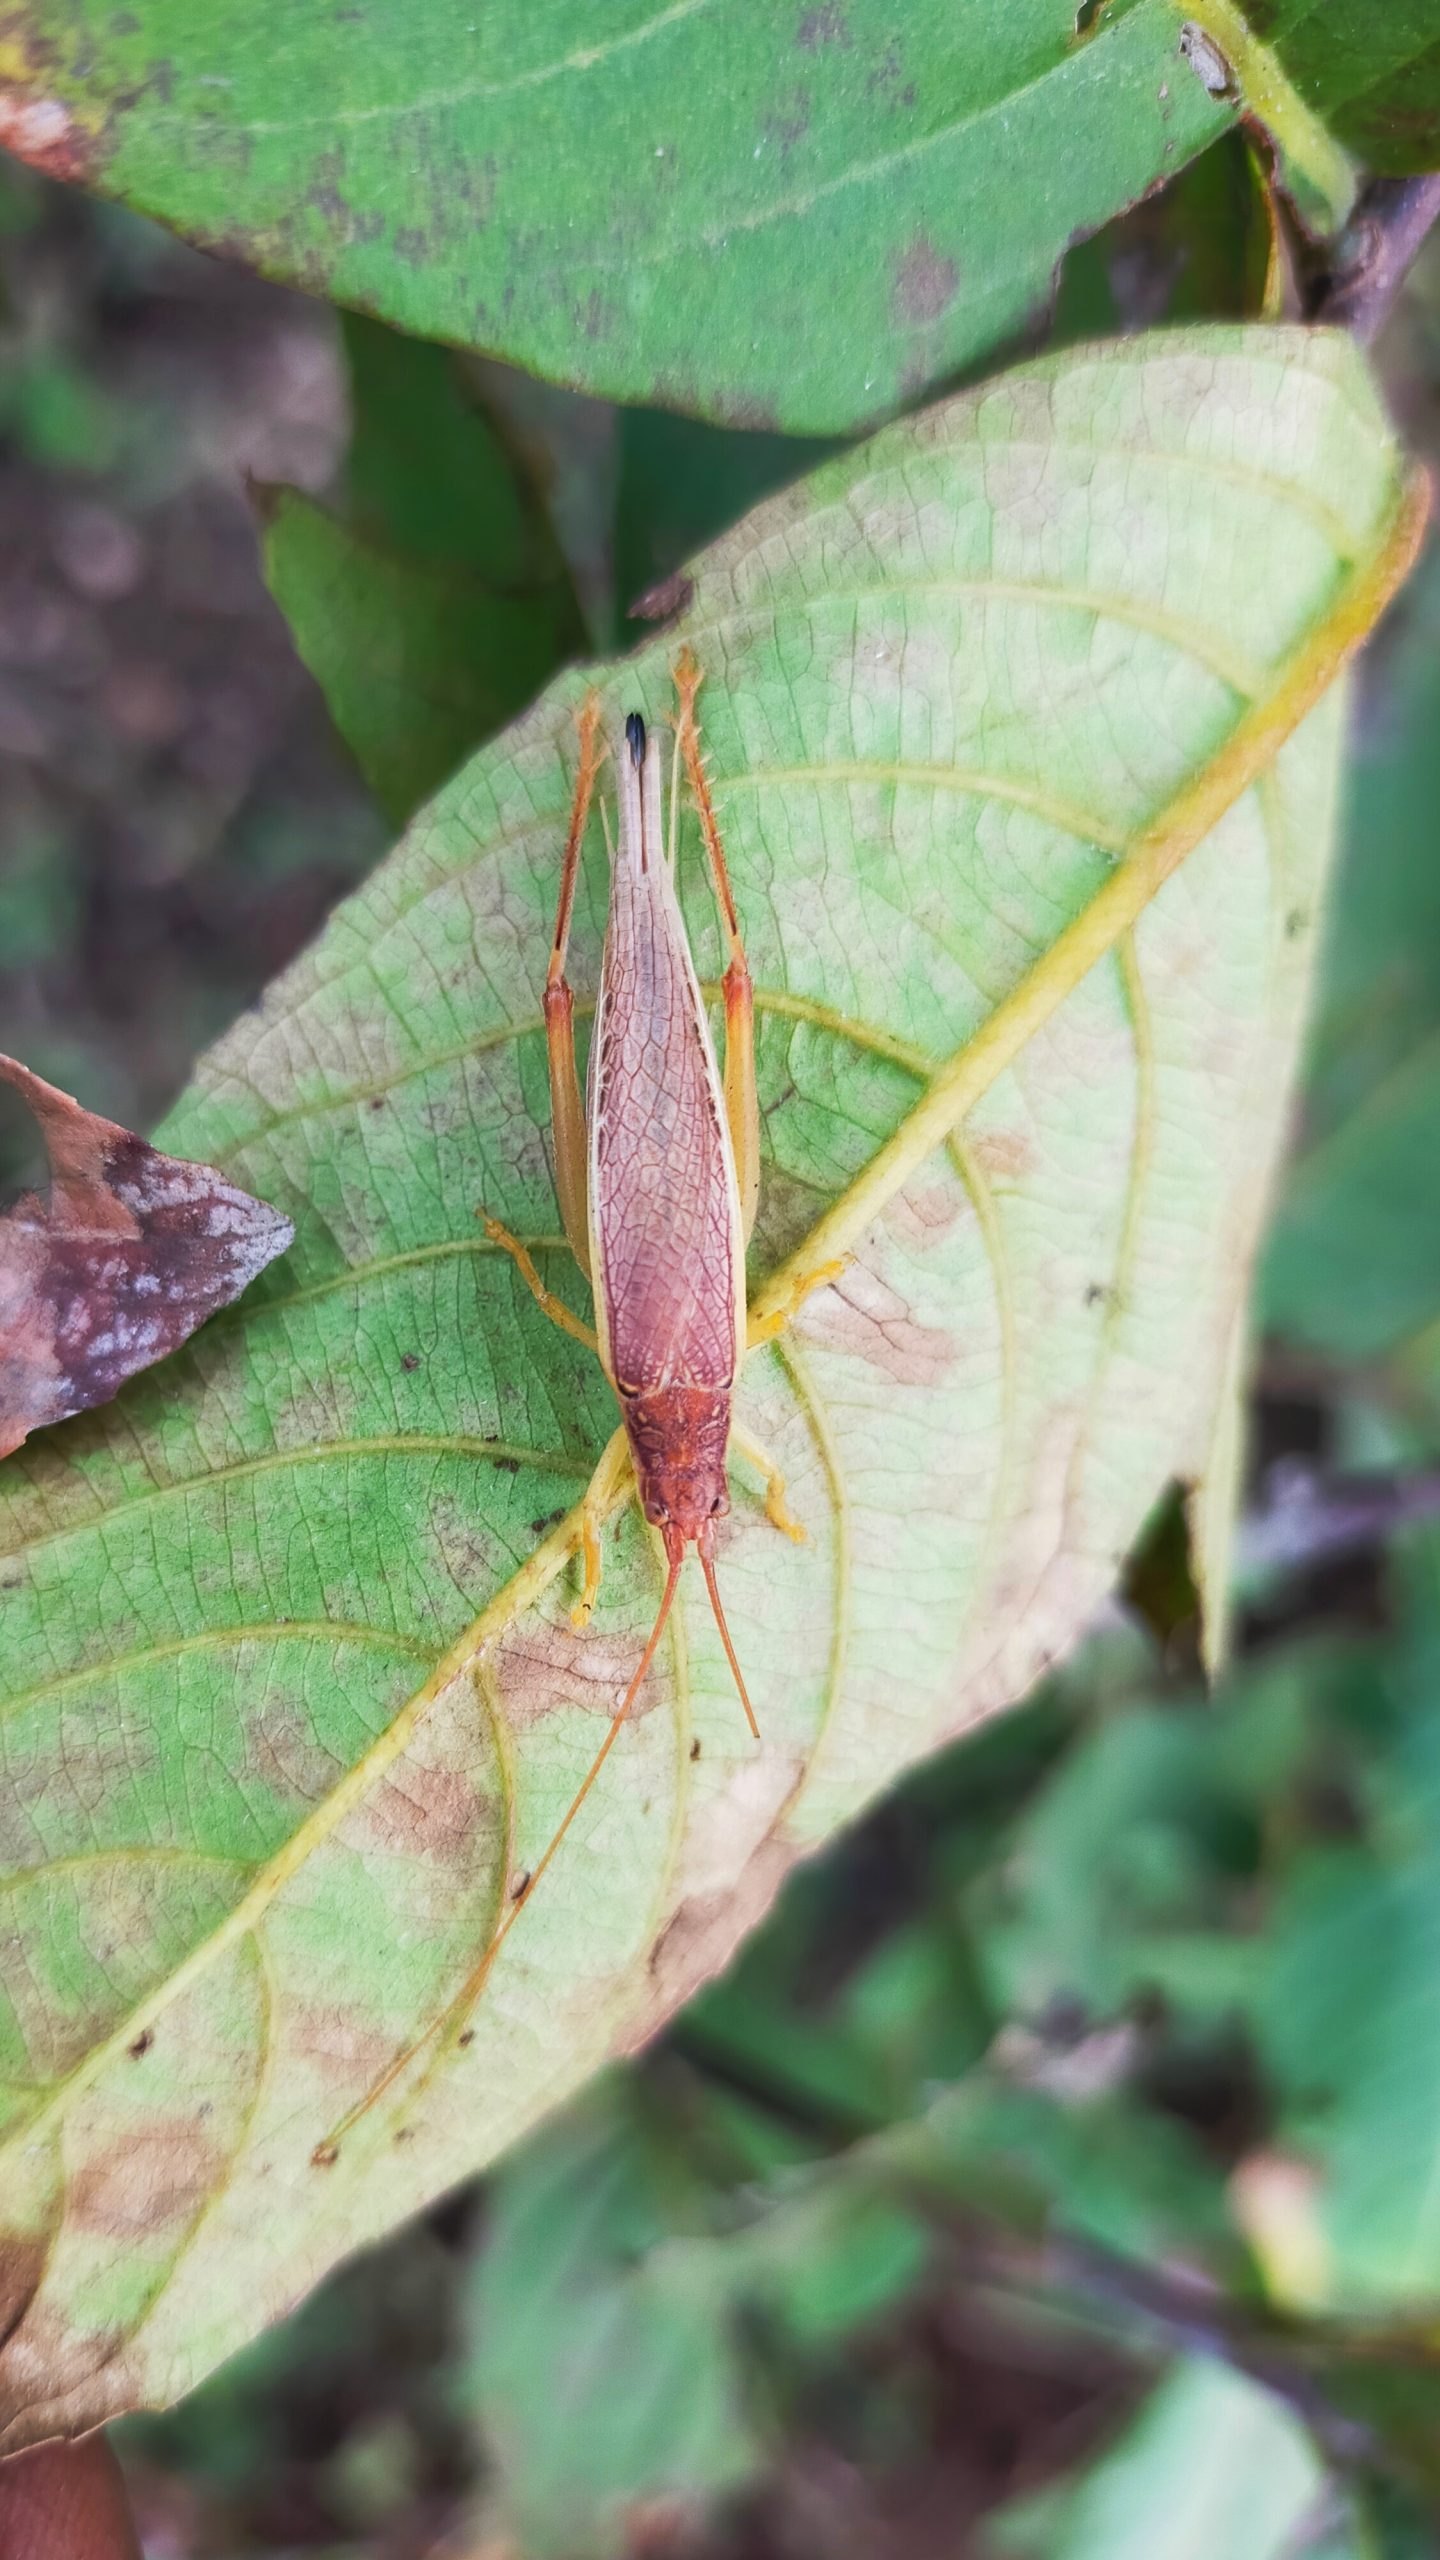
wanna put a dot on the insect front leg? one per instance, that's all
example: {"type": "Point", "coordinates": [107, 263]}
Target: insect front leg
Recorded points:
{"type": "Point", "coordinates": [776, 1508]}
{"type": "Point", "coordinates": [597, 1504]}
{"type": "Point", "coordinates": [545, 1299]}
{"type": "Point", "coordinates": [742, 1101]}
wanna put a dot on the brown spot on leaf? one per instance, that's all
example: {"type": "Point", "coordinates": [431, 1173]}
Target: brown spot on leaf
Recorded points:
{"type": "Point", "coordinates": [129, 1254]}
{"type": "Point", "coordinates": [23, 2259]}
{"type": "Point", "coordinates": [434, 1811]}
{"type": "Point", "coordinates": [662, 602]}
{"type": "Point", "coordinates": [145, 2184]}
{"type": "Point", "coordinates": [141, 2046]}
{"type": "Point", "coordinates": [541, 1668]}
{"type": "Point", "coordinates": [925, 284]}
{"type": "Point", "coordinates": [44, 132]}
{"type": "Point", "coordinates": [704, 1934]}
{"type": "Point", "coordinates": [862, 1315]}
{"type": "Point", "coordinates": [1006, 1153]}
{"type": "Point", "coordinates": [925, 1214]}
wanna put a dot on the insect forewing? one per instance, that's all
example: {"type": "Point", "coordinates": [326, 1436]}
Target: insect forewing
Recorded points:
{"type": "Point", "coordinates": [666, 1243]}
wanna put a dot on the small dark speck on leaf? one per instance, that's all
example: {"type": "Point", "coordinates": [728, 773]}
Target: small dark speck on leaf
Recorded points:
{"type": "Point", "coordinates": [324, 2155]}
{"type": "Point", "coordinates": [695, 1748]}
{"type": "Point", "coordinates": [521, 1886]}
{"type": "Point", "coordinates": [507, 1466]}
{"type": "Point", "coordinates": [1096, 1294]}
{"type": "Point", "coordinates": [377, 1101]}
{"type": "Point", "coordinates": [406, 2133]}
{"type": "Point", "coordinates": [465, 2038]}
{"type": "Point", "coordinates": [409, 1359]}
{"type": "Point", "coordinates": [141, 2046]}
{"type": "Point", "coordinates": [547, 1520]}
{"type": "Point", "coordinates": [1295, 924]}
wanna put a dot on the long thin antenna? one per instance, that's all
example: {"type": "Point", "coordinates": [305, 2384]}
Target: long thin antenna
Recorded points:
{"type": "Point", "coordinates": [708, 1569]}
{"type": "Point", "coordinates": [326, 2153]}
{"type": "Point", "coordinates": [677, 1558]}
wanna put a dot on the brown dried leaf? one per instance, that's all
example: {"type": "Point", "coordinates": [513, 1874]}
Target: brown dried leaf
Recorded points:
{"type": "Point", "coordinates": [129, 1254]}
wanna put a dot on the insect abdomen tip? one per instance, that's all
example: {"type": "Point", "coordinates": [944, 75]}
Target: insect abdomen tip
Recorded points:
{"type": "Point", "coordinates": [635, 739]}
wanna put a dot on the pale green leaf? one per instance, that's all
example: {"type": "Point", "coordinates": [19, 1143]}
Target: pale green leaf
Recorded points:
{"type": "Point", "coordinates": [1019, 731]}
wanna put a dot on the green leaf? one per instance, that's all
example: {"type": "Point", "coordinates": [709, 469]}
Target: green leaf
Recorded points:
{"type": "Point", "coordinates": [1020, 736]}
{"type": "Point", "coordinates": [1353, 1264]}
{"type": "Point", "coordinates": [1377, 70]}
{"type": "Point", "coordinates": [417, 665]}
{"type": "Point", "coordinates": [788, 219]}
{"type": "Point", "coordinates": [601, 2361]}
{"type": "Point", "coordinates": [1221, 44]}
{"type": "Point", "coordinates": [1212, 2465]}
{"type": "Point", "coordinates": [436, 605]}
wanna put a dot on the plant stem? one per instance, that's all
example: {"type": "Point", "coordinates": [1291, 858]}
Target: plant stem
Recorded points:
{"type": "Point", "coordinates": [1374, 255]}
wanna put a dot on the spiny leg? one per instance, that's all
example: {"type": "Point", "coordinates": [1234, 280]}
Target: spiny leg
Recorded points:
{"type": "Point", "coordinates": [742, 1101]}
{"type": "Point", "coordinates": [567, 1109]}
{"type": "Point", "coordinates": [776, 1508]}
{"type": "Point", "coordinates": [555, 1308]}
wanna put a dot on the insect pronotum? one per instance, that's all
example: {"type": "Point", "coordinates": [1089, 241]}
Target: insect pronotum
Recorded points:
{"type": "Point", "coordinates": [658, 1183]}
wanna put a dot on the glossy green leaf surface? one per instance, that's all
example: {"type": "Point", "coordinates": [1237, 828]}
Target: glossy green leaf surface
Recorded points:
{"type": "Point", "coordinates": [1020, 735]}
{"type": "Point", "coordinates": [632, 199]}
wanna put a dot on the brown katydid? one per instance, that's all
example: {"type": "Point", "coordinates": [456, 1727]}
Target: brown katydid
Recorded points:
{"type": "Point", "coordinates": [658, 1185]}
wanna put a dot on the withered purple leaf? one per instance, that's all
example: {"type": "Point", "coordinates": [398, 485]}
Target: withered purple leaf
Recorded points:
{"type": "Point", "coordinates": [131, 1251]}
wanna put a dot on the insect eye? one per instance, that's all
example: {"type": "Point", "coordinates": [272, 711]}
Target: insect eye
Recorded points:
{"type": "Point", "coordinates": [717, 1505]}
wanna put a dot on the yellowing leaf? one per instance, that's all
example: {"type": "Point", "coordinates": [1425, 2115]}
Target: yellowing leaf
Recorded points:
{"type": "Point", "coordinates": [1020, 733]}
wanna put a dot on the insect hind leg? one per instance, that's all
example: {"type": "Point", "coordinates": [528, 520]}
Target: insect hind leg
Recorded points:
{"type": "Point", "coordinates": [742, 1101]}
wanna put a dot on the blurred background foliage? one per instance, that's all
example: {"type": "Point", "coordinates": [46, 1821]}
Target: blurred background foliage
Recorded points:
{"type": "Point", "coordinates": [1057, 2175]}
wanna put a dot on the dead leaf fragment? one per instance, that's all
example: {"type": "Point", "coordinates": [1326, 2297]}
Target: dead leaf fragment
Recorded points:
{"type": "Point", "coordinates": [132, 1251]}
